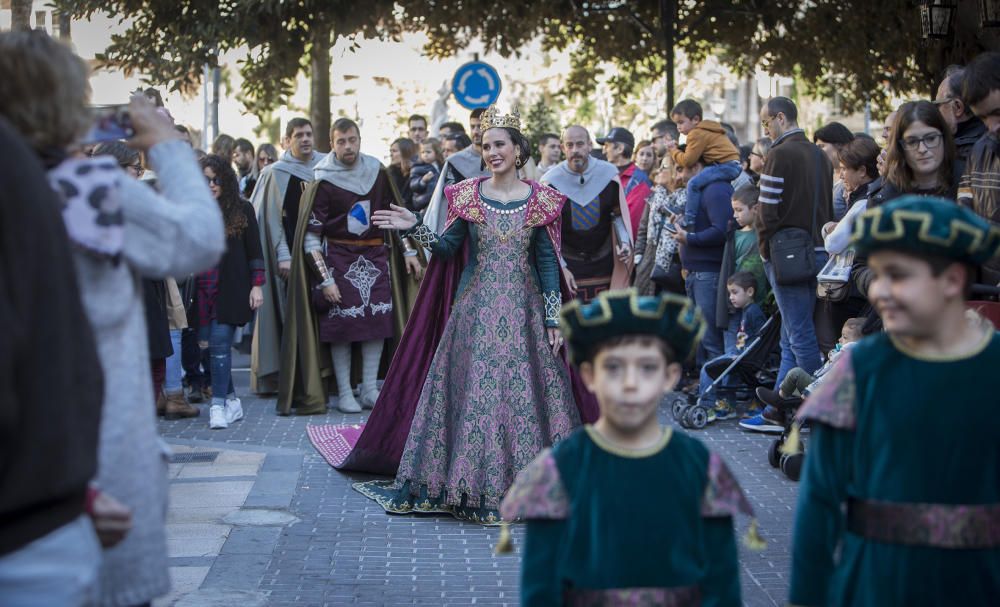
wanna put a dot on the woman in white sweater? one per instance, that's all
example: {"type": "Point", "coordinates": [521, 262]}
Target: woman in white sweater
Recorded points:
{"type": "Point", "coordinates": [122, 230]}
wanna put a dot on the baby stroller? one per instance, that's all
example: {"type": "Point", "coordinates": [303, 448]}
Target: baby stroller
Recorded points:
{"type": "Point", "coordinates": [752, 367]}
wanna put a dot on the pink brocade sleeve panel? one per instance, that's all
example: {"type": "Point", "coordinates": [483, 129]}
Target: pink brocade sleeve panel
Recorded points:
{"type": "Point", "coordinates": [537, 492]}
{"type": "Point", "coordinates": [723, 494]}
{"type": "Point", "coordinates": [834, 401]}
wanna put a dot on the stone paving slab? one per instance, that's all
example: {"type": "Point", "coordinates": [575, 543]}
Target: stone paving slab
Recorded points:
{"type": "Point", "coordinates": [344, 550]}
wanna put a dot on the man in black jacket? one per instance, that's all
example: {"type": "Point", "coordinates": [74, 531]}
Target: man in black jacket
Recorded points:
{"type": "Point", "coordinates": [955, 110]}
{"type": "Point", "coordinates": [796, 191]}
{"type": "Point", "coordinates": [51, 390]}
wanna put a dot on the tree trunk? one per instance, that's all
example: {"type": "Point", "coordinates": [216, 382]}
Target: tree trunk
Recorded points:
{"type": "Point", "coordinates": [319, 88]}
{"type": "Point", "coordinates": [64, 21]}
{"type": "Point", "coordinates": [20, 15]}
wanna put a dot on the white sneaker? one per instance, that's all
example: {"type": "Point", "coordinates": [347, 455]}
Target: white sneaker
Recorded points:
{"type": "Point", "coordinates": [234, 410]}
{"type": "Point", "coordinates": [217, 417]}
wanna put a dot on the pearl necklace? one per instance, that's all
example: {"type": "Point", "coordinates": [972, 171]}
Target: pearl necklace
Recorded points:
{"type": "Point", "coordinates": [506, 211]}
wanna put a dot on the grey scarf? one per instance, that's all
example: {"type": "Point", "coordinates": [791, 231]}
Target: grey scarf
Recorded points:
{"type": "Point", "coordinates": [595, 178]}
{"type": "Point", "coordinates": [357, 178]}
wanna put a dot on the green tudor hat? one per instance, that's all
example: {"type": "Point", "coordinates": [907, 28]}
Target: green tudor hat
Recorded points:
{"type": "Point", "coordinates": [927, 226]}
{"type": "Point", "coordinates": [673, 318]}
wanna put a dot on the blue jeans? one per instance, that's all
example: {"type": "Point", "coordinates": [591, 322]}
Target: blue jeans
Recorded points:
{"type": "Point", "coordinates": [796, 303]}
{"type": "Point", "coordinates": [701, 288]}
{"type": "Point", "coordinates": [220, 354]}
{"type": "Point", "coordinates": [175, 370]}
{"type": "Point", "coordinates": [727, 171]}
{"type": "Point", "coordinates": [57, 569]}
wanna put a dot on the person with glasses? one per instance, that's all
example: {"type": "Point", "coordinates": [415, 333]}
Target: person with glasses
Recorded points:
{"type": "Point", "coordinates": [921, 157]}
{"type": "Point", "coordinates": [757, 156]}
{"type": "Point", "coordinates": [229, 293]}
{"type": "Point", "coordinates": [965, 127]}
{"type": "Point", "coordinates": [796, 195]}
{"type": "Point", "coordinates": [267, 155]}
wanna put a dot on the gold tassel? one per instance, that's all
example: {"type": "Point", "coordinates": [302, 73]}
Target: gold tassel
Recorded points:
{"type": "Point", "coordinates": [505, 543]}
{"type": "Point", "coordinates": [792, 445]}
{"type": "Point", "coordinates": [752, 539]}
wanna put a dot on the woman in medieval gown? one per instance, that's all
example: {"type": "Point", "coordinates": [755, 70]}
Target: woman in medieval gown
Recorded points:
{"type": "Point", "coordinates": [479, 384]}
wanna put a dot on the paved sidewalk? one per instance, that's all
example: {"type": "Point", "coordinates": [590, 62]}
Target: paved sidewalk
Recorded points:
{"type": "Point", "coordinates": [328, 545]}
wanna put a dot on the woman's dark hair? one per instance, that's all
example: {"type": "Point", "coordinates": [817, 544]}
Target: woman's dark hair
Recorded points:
{"type": "Point", "coordinates": [897, 171]}
{"type": "Point", "coordinates": [233, 211]}
{"type": "Point", "coordinates": [520, 144]}
{"type": "Point", "coordinates": [124, 155]}
{"type": "Point", "coordinates": [834, 133]}
{"type": "Point", "coordinates": [407, 150]}
{"type": "Point", "coordinates": [862, 152]}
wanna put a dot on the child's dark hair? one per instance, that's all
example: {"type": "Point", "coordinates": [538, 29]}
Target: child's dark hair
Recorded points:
{"type": "Point", "coordinates": [626, 340]}
{"type": "Point", "coordinates": [939, 264]}
{"type": "Point", "coordinates": [688, 108]}
{"type": "Point", "coordinates": [747, 194]}
{"type": "Point", "coordinates": [855, 325]}
{"type": "Point", "coordinates": [743, 280]}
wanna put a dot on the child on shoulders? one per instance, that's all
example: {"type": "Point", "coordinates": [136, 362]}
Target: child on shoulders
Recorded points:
{"type": "Point", "coordinates": [707, 141]}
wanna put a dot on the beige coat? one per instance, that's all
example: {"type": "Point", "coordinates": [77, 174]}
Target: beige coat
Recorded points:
{"type": "Point", "coordinates": [176, 314]}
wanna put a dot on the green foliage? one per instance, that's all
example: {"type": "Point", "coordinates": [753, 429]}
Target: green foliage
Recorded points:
{"type": "Point", "coordinates": [540, 119]}
{"type": "Point", "coordinates": [857, 48]}
{"type": "Point", "coordinates": [170, 41]}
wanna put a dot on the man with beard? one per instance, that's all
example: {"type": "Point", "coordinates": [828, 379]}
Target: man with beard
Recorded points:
{"type": "Point", "coordinates": [596, 235]}
{"type": "Point", "coordinates": [243, 158]}
{"type": "Point", "coordinates": [276, 200]}
{"type": "Point", "coordinates": [351, 300]}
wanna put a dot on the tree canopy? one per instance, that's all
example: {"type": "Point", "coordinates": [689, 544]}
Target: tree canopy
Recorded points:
{"type": "Point", "coordinates": [857, 48]}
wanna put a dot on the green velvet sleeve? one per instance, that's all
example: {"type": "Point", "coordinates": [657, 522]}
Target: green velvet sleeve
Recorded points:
{"type": "Point", "coordinates": [445, 245]}
{"type": "Point", "coordinates": [541, 582]}
{"type": "Point", "coordinates": [820, 523]}
{"type": "Point", "coordinates": [721, 586]}
{"type": "Point", "coordinates": [547, 265]}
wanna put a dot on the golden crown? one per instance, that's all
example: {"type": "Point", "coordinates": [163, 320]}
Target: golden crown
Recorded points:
{"type": "Point", "coordinates": [492, 118]}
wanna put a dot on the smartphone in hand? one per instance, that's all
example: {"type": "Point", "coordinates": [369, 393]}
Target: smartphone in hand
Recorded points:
{"type": "Point", "coordinates": [111, 123]}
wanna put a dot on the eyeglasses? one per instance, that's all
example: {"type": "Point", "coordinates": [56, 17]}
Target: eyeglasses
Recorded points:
{"type": "Point", "coordinates": [266, 160]}
{"type": "Point", "coordinates": [930, 140]}
{"type": "Point", "coordinates": [137, 168]}
{"type": "Point", "coordinates": [216, 181]}
{"type": "Point", "coordinates": [767, 123]}
{"type": "Point", "coordinates": [758, 155]}
{"type": "Point", "coordinates": [940, 102]}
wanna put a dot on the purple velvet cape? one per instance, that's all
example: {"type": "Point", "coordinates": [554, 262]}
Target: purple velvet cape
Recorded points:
{"type": "Point", "coordinates": [380, 446]}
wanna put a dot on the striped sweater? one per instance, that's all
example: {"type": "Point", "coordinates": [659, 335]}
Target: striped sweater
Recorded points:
{"type": "Point", "coordinates": [788, 189]}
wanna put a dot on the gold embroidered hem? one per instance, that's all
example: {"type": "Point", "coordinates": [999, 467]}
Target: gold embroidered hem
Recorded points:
{"type": "Point", "coordinates": [396, 500]}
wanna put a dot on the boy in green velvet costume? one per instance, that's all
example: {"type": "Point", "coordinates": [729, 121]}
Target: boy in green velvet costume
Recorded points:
{"type": "Point", "coordinates": [900, 500]}
{"type": "Point", "coordinates": [627, 512]}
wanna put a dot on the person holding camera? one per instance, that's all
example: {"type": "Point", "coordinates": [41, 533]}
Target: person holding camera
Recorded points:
{"type": "Point", "coordinates": [121, 231]}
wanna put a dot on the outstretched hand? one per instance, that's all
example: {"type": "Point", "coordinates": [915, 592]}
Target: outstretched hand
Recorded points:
{"type": "Point", "coordinates": [396, 218]}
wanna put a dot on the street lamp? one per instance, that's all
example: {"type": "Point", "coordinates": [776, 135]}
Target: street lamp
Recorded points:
{"type": "Point", "coordinates": [936, 17]}
{"type": "Point", "coordinates": [989, 13]}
